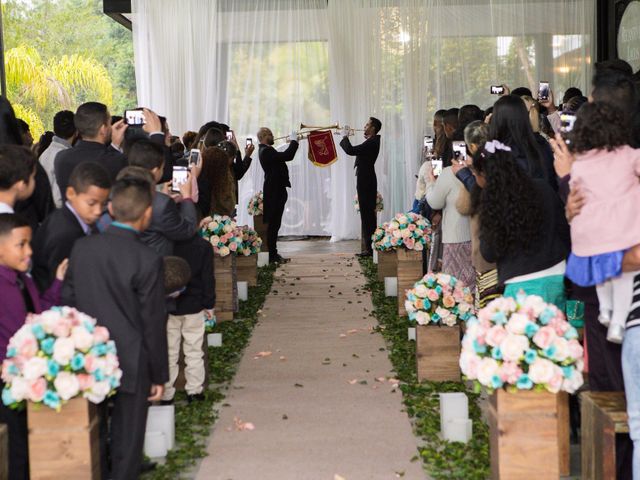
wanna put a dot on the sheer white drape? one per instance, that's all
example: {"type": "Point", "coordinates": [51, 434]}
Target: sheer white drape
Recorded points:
{"type": "Point", "coordinates": [276, 63]}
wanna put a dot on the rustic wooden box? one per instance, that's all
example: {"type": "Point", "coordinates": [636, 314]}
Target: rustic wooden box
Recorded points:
{"type": "Point", "coordinates": [529, 435]}
{"type": "Point", "coordinates": [247, 268]}
{"type": "Point", "coordinates": [603, 415]}
{"type": "Point", "coordinates": [387, 264]}
{"type": "Point", "coordinates": [66, 444]}
{"type": "Point", "coordinates": [260, 226]}
{"type": "Point", "coordinates": [4, 452]}
{"type": "Point", "coordinates": [438, 353]}
{"type": "Point", "coordinates": [226, 289]}
{"type": "Point", "coordinates": [409, 272]}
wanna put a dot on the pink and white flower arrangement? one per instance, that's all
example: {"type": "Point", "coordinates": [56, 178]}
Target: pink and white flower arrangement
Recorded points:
{"type": "Point", "coordinates": [58, 355]}
{"type": "Point", "coordinates": [439, 299]}
{"type": "Point", "coordinates": [379, 202]}
{"type": "Point", "coordinates": [522, 344]}
{"type": "Point", "coordinates": [223, 233]}
{"type": "Point", "coordinates": [251, 242]}
{"type": "Point", "coordinates": [408, 230]}
{"type": "Point", "coordinates": [256, 204]}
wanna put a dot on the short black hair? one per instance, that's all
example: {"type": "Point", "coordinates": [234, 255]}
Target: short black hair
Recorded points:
{"type": "Point", "coordinates": [468, 114]}
{"type": "Point", "coordinates": [9, 221]}
{"type": "Point", "coordinates": [614, 87]}
{"type": "Point", "coordinates": [63, 125]}
{"type": "Point", "coordinates": [521, 92]}
{"type": "Point", "coordinates": [177, 273]}
{"type": "Point", "coordinates": [130, 197]}
{"type": "Point", "coordinates": [599, 125]}
{"type": "Point", "coordinates": [616, 64]}
{"type": "Point", "coordinates": [213, 136]}
{"type": "Point", "coordinates": [23, 127]}
{"type": "Point", "coordinates": [439, 113]}
{"type": "Point", "coordinates": [17, 163]}
{"type": "Point", "coordinates": [89, 174]}
{"type": "Point", "coordinates": [375, 123]}
{"type": "Point", "coordinates": [450, 117]}
{"type": "Point", "coordinates": [146, 154]}
{"type": "Point", "coordinates": [90, 117]}
{"type": "Point", "coordinates": [572, 105]}
{"type": "Point", "coordinates": [228, 148]}
{"type": "Point", "coordinates": [571, 93]}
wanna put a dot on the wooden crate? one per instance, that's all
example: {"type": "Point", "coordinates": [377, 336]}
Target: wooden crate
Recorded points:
{"type": "Point", "coordinates": [247, 268]}
{"type": "Point", "coordinates": [226, 289]}
{"type": "Point", "coordinates": [438, 353]}
{"type": "Point", "coordinates": [4, 452]}
{"type": "Point", "coordinates": [65, 444]}
{"type": "Point", "coordinates": [603, 415]}
{"type": "Point", "coordinates": [529, 435]}
{"type": "Point", "coordinates": [409, 272]}
{"type": "Point", "coordinates": [260, 226]}
{"type": "Point", "coordinates": [387, 264]}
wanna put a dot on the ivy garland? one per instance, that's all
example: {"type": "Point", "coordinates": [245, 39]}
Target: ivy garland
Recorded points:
{"type": "Point", "coordinates": [193, 421]}
{"type": "Point", "coordinates": [443, 460]}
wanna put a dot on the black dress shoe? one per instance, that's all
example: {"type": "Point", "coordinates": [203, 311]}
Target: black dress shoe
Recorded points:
{"type": "Point", "coordinates": [281, 259]}
{"type": "Point", "coordinates": [148, 466]}
{"type": "Point", "coordinates": [364, 254]}
{"type": "Point", "coordinates": [165, 403]}
{"type": "Point", "coordinates": [197, 397]}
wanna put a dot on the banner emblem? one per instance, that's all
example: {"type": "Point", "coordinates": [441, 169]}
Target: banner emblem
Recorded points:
{"type": "Point", "coordinates": [322, 149]}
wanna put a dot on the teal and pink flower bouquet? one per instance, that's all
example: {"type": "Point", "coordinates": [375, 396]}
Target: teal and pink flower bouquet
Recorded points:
{"type": "Point", "coordinates": [439, 299]}
{"type": "Point", "coordinates": [256, 204]}
{"type": "Point", "coordinates": [407, 230]}
{"type": "Point", "coordinates": [251, 242]}
{"type": "Point", "coordinates": [58, 355]}
{"type": "Point", "coordinates": [379, 202]}
{"type": "Point", "coordinates": [223, 233]}
{"type": "Point", "coordinates": [522, 344]}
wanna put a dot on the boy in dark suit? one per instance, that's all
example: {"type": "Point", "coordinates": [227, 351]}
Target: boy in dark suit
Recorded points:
{"type": "Point", "coordinates": [87, 196]}
{"type": "Point", "coordinates": [118, 280]}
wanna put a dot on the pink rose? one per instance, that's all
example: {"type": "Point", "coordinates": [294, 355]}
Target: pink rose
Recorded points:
{"type": "Point", "coordinates": [90, 363]}
{"type": "Point", "coordinates": [418, 247]}
{"type": "Point", "coordinates": [448, 301]}
{"type": "Point", "coordinates": [409, 243]}
{"type": "Point", "coordinates": [513, 347]}
{"type": "Point", "coordinates": [100, 334]}
{"type": "Point", "coordinates": [85, 381]}
{"type": "Point", "coordinates": [233, 247]}
{"type": "Point", "coordinates": [544, 337]}
{"type": "Point", "coordinates": [469, 363]}
{"type": "Point", "coordinates": [82, 338]}
{"type": "Point", "coordinates": [37, 388]}
{"type": "Point", "coordinates": [62, 328]}
{"type": "Point", "coordinates": [555, 383]}
{"type": "Point", "coordinates": [433, 295]}
{"type": "Point", "coordinates": [575, 349]}
{"type": "Point", "coordinates": [510, 372]}
{"type": "Point", "coordinates": [496, 335]}
{"type": "Point", "coordinates": [458, 295]}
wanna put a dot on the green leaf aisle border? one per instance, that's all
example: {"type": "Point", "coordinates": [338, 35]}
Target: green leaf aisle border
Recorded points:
{"type": "Point", "coordinates": [441, 459]}
{"type": "Point", "coordinates": [194, 421]}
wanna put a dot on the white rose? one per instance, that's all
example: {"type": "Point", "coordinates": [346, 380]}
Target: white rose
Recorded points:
{"type": "Point", "coordinates": [397, 234]}
{"type": "Point", "coordinates": [63, 350]}
{"type": "Point", "coordinates": [421, 290]}
{"type": "Point", "coordinates": [67, 385]}
{"type": "Point", "coordinates": [405, 233]}
{"type": "Point", "coordinates": [536, 304]}
{"type": "Point", "coordinates": [572, 384]}
{"type": "Point", "coordinates": [224, 251]}
{"type": "Point", "coordinates": [517, 324]}
{"type": "Point", "coordinates": [562, 349]}
{"type": "Point", "coordinates": [98, 392]}
{"type": "Point", "coordinates": [34, 368]}
{"type": "Point", "coordinates": [423, 318]}
{"type": "Point", "coordinates": [48, 319]}
{"type": "Point", "coordinates": [541, 371]}
{"type": "Point", "coordinates": [486, 370]}
{"type": "Point", "coordinates": [513, 347]}
{"type": "Point", "coordinates": [82, 339]}
{"type": "Point", "coordinates": [19, 389]}
{"type": "Point", "coordinates": [450, 320]}
{"type": "Point", "coordinates": [408, 305]}
{"type": "Point", "coordinates": [227, 228]}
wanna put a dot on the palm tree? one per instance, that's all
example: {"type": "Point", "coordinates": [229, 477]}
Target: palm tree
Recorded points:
{"type": "Point", "coordinates": [37, 89]}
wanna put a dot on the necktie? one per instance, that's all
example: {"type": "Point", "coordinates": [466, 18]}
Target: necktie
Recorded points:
{"type": "Point", "coordinates": [26, 296]}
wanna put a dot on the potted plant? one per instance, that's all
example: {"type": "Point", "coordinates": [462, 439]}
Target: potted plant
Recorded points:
{"type": "Point", "coordinates": [247, 256]}
{"type": "Point", "coordinates": [255, 207]}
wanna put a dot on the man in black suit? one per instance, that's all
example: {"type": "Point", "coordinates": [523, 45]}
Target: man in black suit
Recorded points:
{"type": "Point", "coordinates": [87, 196]}
{"type": "Point", "coordinates": [276, 181]}
{"type": "Point", "coordinates": [366, 182]}
{"type": "Point", "coordinates": [118, 280]}
{"type": "Point", "coordinates": [100, 142]}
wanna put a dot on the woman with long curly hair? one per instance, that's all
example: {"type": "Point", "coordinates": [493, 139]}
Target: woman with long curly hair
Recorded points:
{"type": "Point", "coordinates": [522, 226]}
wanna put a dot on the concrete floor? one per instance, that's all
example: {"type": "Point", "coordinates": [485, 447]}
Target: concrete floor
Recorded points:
{"type": "Point", "coordinates": [314, 382]}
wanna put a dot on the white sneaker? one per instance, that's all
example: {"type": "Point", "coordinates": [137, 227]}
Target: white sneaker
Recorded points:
{"type": "Point", "coordinates": [615, 333]}
{"type": "Point", "coordinates": [605, 317]}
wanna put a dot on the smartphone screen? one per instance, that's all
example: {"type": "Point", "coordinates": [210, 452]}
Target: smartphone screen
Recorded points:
{"type": "Point", "coordinates": [543, 91]}
{"type": "Point", "coordinates": [497, 89]}
{"type": "Point", "coordinates": [436, 166]}
{"type": "Point", "coordinates": [194, 157]}
{"type": "Point", "coordinates": [134, 117]}
{"type": "Point", "coordinates": [428, 143]}
{"type": "Point", "coordinates": [248, 143]}
{"type": "Point", "coordinates": [229, 135]}
{"type": "Point", "coordinates": [460, 151]}
{"type": "Point", "coordinates": [179, 177]}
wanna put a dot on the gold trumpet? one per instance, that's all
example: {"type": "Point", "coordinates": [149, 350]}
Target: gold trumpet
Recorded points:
{"type": "Point", "coordinates": [311, 128]}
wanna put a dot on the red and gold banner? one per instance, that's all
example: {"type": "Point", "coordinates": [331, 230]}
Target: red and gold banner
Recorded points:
{"type": "Point", "coordinates": [322, 149]}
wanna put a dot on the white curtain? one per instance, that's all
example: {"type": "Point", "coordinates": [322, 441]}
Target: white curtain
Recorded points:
{"type": "Point", "coordinates": [277, 63]}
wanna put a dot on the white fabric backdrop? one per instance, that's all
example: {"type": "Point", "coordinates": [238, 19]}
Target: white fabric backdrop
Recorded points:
{"type": "Point", "coordinates": [276, 63]}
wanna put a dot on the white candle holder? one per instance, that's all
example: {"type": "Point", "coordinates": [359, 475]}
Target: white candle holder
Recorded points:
{"type": "Point", "coordinates": [453, 406]}
{"type": "Point", "coordinates": [391, 286]}
{"type": "Point", "coordinates": [155, 445]}
{"type": "Point", "coordinates": [458, 430]}
{"type": "Point", "coordinates": [375, 257]}
{"type": "Point", "coordinates": [411, 333]}
{"type": "Point", "coordinates": [243, 291]}
{"type": "Point", "coordinates": [263, 259]}
{"type": "Point", "coordinates": [214, 339]}
{"type": "Point", "coordinates": [161, 418]}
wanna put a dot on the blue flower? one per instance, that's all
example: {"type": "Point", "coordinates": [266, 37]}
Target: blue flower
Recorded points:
{"type": "Point", "coordinates": [88, 326]}
{"type": "Point", "coordinates": [531, 329]}
{"type": "Point", "coordinates": [77, 362]}
{"type": "Point", "coordinates": [11, 352]}
{"type": "Point", "coordinates": [38, 331]}
{"type": "Point", "coordinates": [438, 289]}
{"type": "Point", "coordinates": [13, 370]}
{"type": "Point", "coordinates": [546, 316]}
{"type": "Point", "coordinates": [571, 333]}
{"type": "Point", "coordinates": [99, 350]}
{"type": "Point", "coordinates": [98, 375]}
{"type": "Point", "coordinates": [51, 399]}
{"type": "Point", "coordinates": [479, 348]}
{"type": "Point", "coordinates": [114, 382]}
{"type": "Point", "coordinates": [567, 372]}
{"type": "Point", "coordinates": [427, 303]}
{"type": "Point", "coordinates": [52, 368]}
{"type": "Point", "coordinates": [496, 381]}
{"type": "Point", "coordinates": [530, 356]}
{"type": "Point", "coordinates": [551, 351]}
{"type": "Point", "coordinates": [496, 353]}
{"type": "Point", "coordinates": [499, 317]}
{"type": "Point", "coordinates": [435, 318]}
{"type": "Point", "coordinates": [111, 347]}
{"type": "Point", "coordinates": [411, 297]}
{"type": "Point", "coordinates": [7, 399]}
{"type": "Point", "coordinates": [524, 382]}
{"type": "Point", "coordinates": [47, 345]}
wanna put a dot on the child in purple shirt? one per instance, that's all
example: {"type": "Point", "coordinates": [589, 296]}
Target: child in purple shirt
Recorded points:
{"type": "Point", "coordinates": [19, 297]}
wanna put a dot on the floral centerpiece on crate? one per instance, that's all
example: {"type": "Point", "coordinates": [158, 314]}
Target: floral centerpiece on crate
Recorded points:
{"type": "Point", "coordinates": [408, 230]}
{"type": "Point", "coordinates": [522, 344]}
{"type": "Point", "coordinates": [256, 204]}
{"type": "Point", "coordinates": [56, 356]}
{"type": "Point", "coordinates": [251, 242]}
{"type": "Point", "coordinates": [439, 299]}
{"type": "Point", "coordinates": [223, 233]}
{"type": "Point", "coordinates": [379, 202]}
